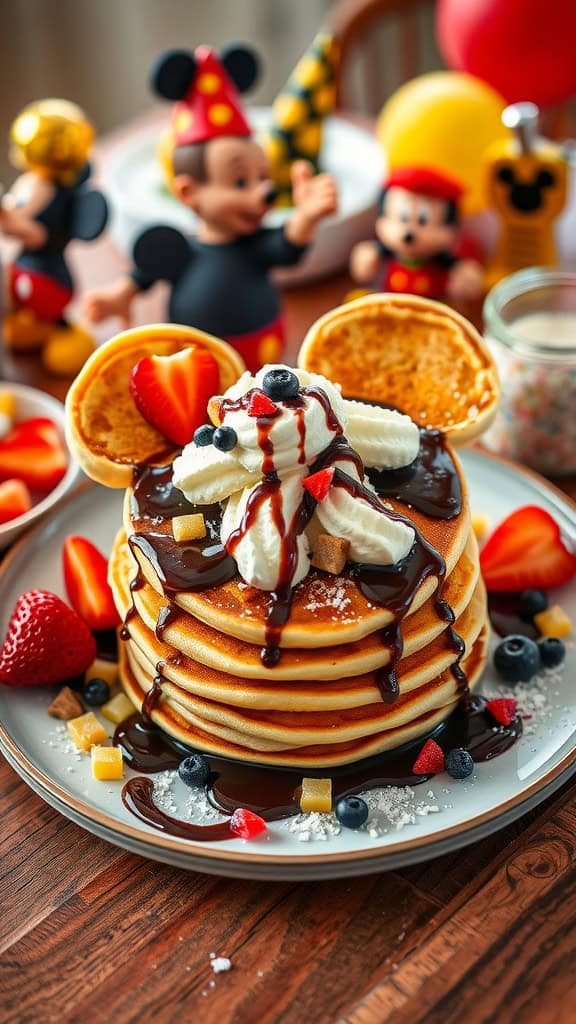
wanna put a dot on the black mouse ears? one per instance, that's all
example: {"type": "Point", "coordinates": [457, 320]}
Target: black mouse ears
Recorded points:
{"type": "Point", "coordinates": [172, 73]}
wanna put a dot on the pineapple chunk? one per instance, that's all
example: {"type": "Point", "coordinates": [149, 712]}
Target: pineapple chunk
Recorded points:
{"type": "Point", "coordinates": [107, 763]}
{"type": "Point", "coordinates": [102, 669]}
{"type": "Point", "coordinates": [316, 795]}
{"type": "Point", "coordinates": [118, 709]}
{"type": "Point", "coordinates": [190, 527]}
{"type": "Point", "coordinates": [480, 525]}
{"type": "Point", "coordinates": [553, 621]}
{"type": "Point", "coordinates": [86, 730]}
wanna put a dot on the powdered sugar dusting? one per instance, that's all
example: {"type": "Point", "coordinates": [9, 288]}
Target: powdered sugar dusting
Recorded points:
{"type": "Point", "coordinates": [327, 594]}
{"type": "Point", "coordinates": [395, 807]}
{"type": "Point", "coordinates": [534, 698]}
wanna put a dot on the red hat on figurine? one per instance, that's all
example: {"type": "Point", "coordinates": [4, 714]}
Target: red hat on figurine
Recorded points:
{"type": "Point", "coordinates": [426, 181]}
{"type": "Point", "coordinates": [207, 89]}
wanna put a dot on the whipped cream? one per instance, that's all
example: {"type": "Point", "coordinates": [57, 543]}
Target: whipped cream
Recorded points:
{"type": "Point", "coordinates": [268, 518]}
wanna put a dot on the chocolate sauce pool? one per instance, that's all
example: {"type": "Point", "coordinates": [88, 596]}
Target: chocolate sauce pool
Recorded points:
{"type": "Point", "coordinates": [274, 793]}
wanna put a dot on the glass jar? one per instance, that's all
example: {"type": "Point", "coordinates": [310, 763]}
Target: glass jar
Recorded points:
{"type": "Point", "coordinates": [530, 327]}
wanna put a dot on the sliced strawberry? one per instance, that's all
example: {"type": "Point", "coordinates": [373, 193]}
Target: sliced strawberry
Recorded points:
{"type": "Point", "coordinates": [86, 579]}
{"type": "Point", "coordinates": [318, 484]}
{"type": "Point", "coordinates": [261, 405]}
{"type": "Point", "coordinates": [46, 642]}
{"type": "Point", "coordinates": [526, 551]}
{"type": "Point", "coordinates": [172, 392]}
{"type": "Point", "coordinates": [502, 709]}
{"type": "Point", "coordinates": [38, 464]}
{"type": "Point", "coordinates": [15, 500]}
{"type": "Point", "coordinates": [430, 760]}
{"type": "Point", "coordinates": [38, 428]}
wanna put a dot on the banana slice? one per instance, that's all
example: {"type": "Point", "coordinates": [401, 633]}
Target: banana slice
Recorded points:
{"type": "Point", "coordinates": [373, 536]}
{"type": "Point", "coordinates": [383, 438]}
{"type": "Point", "coordinates": [206, 474]}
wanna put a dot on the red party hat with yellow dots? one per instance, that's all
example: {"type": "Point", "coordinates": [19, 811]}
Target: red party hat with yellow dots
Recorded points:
{"type": "Point", "coordinates": [212, 105]}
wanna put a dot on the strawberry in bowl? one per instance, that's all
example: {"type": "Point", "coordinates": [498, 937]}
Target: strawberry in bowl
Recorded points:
{"type": "Point", "coordinates": [36, 470]}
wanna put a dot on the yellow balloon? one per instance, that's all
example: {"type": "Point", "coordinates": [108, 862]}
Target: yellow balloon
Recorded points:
{"type": "Point", "coordinates": [444, 120]}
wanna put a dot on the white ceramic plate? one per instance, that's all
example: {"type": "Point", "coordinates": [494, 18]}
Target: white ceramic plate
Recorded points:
{"type": "Point", "coordinates": [134, 181]}
{"type": "Point", "coordinates": [498, 792]}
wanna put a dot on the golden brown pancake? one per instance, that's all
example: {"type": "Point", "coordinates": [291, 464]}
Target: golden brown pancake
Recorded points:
{"type": "Point", "coordinates": [106, 433]}
{"type": "Point", "coordinates": [417, 355]}
{"type": "Point", "coordinates": [201, 735]}
{"type": "Point", "coordinates": [187, 635]}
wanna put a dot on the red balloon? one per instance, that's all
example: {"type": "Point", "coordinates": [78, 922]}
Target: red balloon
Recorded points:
{"type": "Point", "coordinates": [525, 49]}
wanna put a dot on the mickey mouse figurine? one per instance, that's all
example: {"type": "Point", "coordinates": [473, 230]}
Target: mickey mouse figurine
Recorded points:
{"type": "Point", "coordinates": [48, 206]}
{"type": "Point", "coordinates": [418, 234]}
{"type": "Point", "coordinates": [219, 278]}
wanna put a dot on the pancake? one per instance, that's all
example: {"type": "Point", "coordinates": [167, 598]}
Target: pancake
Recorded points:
{"type": "Point", "coordinates": [324, 611]}
{"type": "Point", "coordinates": [414, 354]}
{"type": "Point", "coordinates": [105, 431]}
{"type": "Point", "coordinates": [414, 671]}
{"type": "Point", "coordinates": [189, 636]}
{"type": "Point", "coordinates": [174, 721]}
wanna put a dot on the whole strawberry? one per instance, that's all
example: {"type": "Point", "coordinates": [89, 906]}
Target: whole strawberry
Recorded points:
{"type": "Point", "coordinates": [46, 642]}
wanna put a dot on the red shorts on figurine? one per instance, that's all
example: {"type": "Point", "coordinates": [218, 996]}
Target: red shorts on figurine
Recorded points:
{"type": "Point", "coordinates": [41, 294]}
{"type": "Point", "coordinates": [260, 347]}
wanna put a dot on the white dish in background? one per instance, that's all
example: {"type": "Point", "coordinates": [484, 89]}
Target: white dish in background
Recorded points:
{"type": "Point", "coordinates": [498, 792]}
{"type": "Point", "coordinates": [30, 403]}
{"type": "Point", "coordinates": [134, 182]}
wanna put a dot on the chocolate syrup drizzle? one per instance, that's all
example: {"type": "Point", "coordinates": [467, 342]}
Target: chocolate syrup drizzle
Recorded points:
{"type": "Point", "coordinates": [430, 484]}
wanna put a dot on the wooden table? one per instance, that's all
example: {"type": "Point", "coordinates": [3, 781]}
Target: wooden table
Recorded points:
{"type": "Point", "coordinates": [93, 934]}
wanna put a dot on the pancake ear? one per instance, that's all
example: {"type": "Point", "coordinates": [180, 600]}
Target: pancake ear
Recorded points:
{"type": "Point", "coordinates": [242, 64]}
{"type": "Point", "coordinates": [171, 74]}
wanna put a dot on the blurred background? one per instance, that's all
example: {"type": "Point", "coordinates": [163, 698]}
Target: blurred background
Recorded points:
{"type": "Point", "coordinates": [98, 53]}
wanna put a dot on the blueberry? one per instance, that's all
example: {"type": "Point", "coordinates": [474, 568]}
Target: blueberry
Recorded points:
{"type": "Point", "coordinates": [459, 763]}
{"type": "Point", "coordinates": [552, 651]}
{"type": "Point", "coordinates": [225, 439]}
{"type": "Point", "coordinates": [95, 692]}
{"type": "Point", "coordinates": [194, 770]}
{"type": "Point", "coordinates": [203, 435]}
{"type": "Point", "coordinates": [351, 811]}
{"type": "Point", "coordinates": [279, 384]}
{"type": "Point", "coordinates": [532, 602]}
{"type": "Point", "coordinates": [517, 659]}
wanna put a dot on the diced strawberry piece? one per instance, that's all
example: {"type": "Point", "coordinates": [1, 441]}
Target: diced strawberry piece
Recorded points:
{"type": "Point", "coordinates": [318, 484]}
{"type": "Point", "coordinates": [46, 642]}
{"type": "Point", "coordinates": [502, 709]}
{"type": "Point", "coordinates": [246, 824]}
{"type": "Point", "coordinates": [261, 405]}
{"type": "Point", "coordinates": [430, 760]}
{"type": "Point", "coordinates": [86, 579]}
{"type": "Point", "coordinates": [172, 392]}
{"type": "Point", "coordinates": [15, 500]}
{"type": "Point", "coordinates": [526, 551]}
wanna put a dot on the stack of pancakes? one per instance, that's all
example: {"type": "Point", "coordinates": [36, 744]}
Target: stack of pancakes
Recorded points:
{"type": "Point", "coordinates": [321, 705]}
{"type": "Point", "coordinates": [199, 651]}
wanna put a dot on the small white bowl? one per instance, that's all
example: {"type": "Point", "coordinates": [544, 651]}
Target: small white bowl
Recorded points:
{"type": "Point", "coordinates": [29, 403]}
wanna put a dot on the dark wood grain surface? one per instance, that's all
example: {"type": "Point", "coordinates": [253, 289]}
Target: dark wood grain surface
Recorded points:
{"type": "Point", "coordinates": [90, 933]}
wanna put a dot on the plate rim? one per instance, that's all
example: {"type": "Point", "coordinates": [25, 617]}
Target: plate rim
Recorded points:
{"type": "Point", "coordinates": [214, 854]}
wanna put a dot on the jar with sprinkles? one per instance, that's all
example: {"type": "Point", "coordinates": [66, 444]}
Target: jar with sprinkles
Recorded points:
{"type": "Point", "coordinates": [530, 326]}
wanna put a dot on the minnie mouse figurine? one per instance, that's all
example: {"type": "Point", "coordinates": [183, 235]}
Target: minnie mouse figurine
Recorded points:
{"type": "Point", "coordinates": [49, 205]}
{"type": "Point", "coordinates": [418, 239]}
{"type": "Point", "coordinates": [219, 278]}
